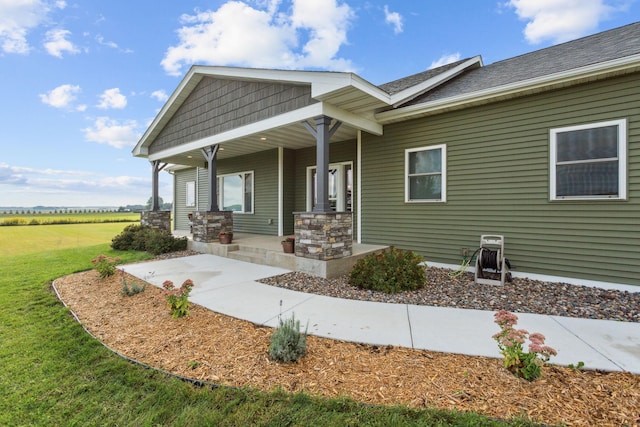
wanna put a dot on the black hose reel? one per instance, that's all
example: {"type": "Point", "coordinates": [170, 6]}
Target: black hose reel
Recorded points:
{"type": "Point", "coordinates": [491, 257]}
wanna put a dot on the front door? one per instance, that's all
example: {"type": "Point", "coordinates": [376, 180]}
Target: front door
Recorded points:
{"type": "Point", "coordinates": [340, 187]}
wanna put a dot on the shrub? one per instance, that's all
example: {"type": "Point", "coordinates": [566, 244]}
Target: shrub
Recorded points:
{"type": "Point", "coordinates": [527, 365]}
{"type": "Point", "coordinates": [392, 271]}
{"type": "Point", "coordinates": [104, 265]}
{"type": "Point", "coordinates": [160, 242]}
{"type": "Point", "coordinates": [178, 299]}
{"type": "Point", "coordinates": [138, 237]}
{"type": "Point", "coordinates": [125, 240]}
{"type": "Point", "coordinates": [288, 344]}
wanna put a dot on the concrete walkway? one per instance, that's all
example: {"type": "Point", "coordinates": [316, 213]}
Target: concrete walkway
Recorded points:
{"type": "Point", "coordinates": [229, 287]}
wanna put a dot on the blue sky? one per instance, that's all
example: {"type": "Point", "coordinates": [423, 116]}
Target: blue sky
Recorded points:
{"type": "Point", "coordinates": [80, 80]}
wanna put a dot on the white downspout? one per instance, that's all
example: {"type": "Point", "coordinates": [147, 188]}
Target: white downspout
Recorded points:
{"type": "Point", "coordinates": [359, 186]}
{"type": "Point", "coordinates": [280, 191]}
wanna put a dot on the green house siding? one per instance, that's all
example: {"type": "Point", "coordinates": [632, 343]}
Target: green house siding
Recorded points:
{"type": "Point", "coordinates": [289, 189]}
{"type": "Point", "coordinates": [264, 219]}
{"type": "Point", "coordinates": [181, 177]}
{"type": "Point", "coordinates": [498, 183]}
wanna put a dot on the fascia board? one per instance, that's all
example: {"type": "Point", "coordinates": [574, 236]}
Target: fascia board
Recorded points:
{"type": "Point", "coordinates": [295, 116]}
{"type": "Point", "coordinates": [322, 89]}
{"type": "Point", "coordinates": [417, 90]}
{"type": "Point", "coordinates": [406, 113]}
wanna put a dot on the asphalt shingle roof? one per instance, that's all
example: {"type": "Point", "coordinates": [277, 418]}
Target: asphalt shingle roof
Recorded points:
{"type": "Point", "coordinates": [601, 47]}
{"type": "Point", "coordinates": [406, 82]}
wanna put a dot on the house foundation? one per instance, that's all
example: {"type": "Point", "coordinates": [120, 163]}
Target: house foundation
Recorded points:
{"type": "Point", "coordinates": [323, 236]}
{"type": "Point", "coordinates": [159, 220]}
{"type": "Point", "coordinates": [207, 225]}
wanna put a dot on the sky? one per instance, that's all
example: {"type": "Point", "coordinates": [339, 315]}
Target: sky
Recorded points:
{"type": "Point", "coordinates": [81, 80]}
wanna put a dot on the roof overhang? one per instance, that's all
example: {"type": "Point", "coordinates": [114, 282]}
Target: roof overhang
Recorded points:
{"type": "Point", "coordinates": [342, 96]}
{"type": "Point", "coordinates": [629, 64]}
{"type": "Point", "coordinates": [286, 130]}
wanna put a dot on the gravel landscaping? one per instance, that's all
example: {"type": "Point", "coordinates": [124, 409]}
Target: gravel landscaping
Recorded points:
{"type": "Point", "coordinates": [522, 295]}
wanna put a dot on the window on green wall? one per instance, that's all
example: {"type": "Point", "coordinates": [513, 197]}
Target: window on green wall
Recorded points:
{"type": "Point", "coordinates": [235, 192]}
{"type": "Point", "coordinates": [426, 174]}
{"type": "Point", "coordinates": [191, 193]}
{"type": "Point", "coordinates": [589, 161]}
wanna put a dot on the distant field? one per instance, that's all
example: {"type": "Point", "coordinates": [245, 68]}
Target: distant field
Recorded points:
{"type": "Point", "coordinates": [67, 218]}
{"type": "Point", "coordinates": [32, 239]}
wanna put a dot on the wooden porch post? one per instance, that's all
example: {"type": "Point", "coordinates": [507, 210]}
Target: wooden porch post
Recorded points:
{"type": "Point", "coordinates": [156, 167]}
{"type": "Point", "coordinates": [323, 134]}
{"type": "Point", "coordinates": [210, 153]}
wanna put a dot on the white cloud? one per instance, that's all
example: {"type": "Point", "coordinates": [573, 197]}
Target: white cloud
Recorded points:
{"type": "Point", "coordinates": [289, 34]}
{"type": "Point", "coordinates": [56, 43]}
{"type": "Point", "coordinates": [112, 132]}
{"type": "Point", "coordinates": [20, 175]}
{"type": "Point", "coordinates": [160, 95]}
{"type": "Point", "coordinates": [100, 39]}
{"type": "Point", "coordinates": [444, 60]}
{"type": "Point", "coordinates": [561, 20]}
{"type": "Point", "coordinates": [112, 98]}
{"type": "Point", "coordinates": [26, 186]}
{"type": "Point", "coordinates": [17, 18]}
{"type": "Point", "coordinates": [393, 18]}
{"type": "Point", "coordinates": [110, 44]}
{"type": "Point", "coordinates": [62, 97]}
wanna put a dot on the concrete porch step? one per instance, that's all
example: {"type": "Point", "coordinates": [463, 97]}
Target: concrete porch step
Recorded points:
{"type": "Point", "coordinates": [248, 256]}
{"type": "Point", "coordinates": [263, 256]}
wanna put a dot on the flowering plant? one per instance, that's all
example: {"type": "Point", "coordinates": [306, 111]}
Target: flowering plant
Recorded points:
{"type": "Point", "coordinates": [527, 365]}
{"type": "Point", "coordinates": [289, 239]}
{"type": "Point", "coordinates": [178, 299]}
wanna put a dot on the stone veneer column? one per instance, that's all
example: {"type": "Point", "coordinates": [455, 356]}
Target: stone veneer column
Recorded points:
{"type": "Point", "coordinates": [160, 220]}
{"type": "Point", "coordinates": [207, 225]}
{"type": "Point", "coordinates": [324, 235]}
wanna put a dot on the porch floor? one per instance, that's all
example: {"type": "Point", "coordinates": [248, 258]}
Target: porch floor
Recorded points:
{"type": "Point", "coordinates": [267, 250]}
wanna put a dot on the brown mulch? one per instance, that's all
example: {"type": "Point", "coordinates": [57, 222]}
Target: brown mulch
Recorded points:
{"type": "Point", "coordinates": [211, 347]}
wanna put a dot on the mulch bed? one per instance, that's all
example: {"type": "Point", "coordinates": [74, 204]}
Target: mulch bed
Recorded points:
{"type": "Point", "coordinates": [211, 347]}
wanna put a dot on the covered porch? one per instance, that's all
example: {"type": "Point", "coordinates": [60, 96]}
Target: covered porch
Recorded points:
{"type": "Point", "coordinates": [271, 152]}
{"type": "Point", "coordinates": [267, 250]}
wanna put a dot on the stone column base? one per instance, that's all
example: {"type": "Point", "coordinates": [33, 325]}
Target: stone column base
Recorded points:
{"type": "Point", "coordinates": [159, 220]}
{"type": "Point", "coordinates": [207, 225]}
{"type": "Point", "coordinates": [324, 236]}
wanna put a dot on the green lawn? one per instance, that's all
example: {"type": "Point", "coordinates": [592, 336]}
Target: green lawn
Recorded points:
{"type": "Point", "coordinates": [37, 238]}
{"type": "Point", "coordinates": [53, 373]}
{"type": "Point", "coordinates": [67, 218]}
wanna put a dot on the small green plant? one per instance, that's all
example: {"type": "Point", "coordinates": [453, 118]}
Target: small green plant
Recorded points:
{"type": "Point", "coordinates": [131, 289]}
{"type": "Point", "coordinates": [105, 266]}
{"type": "Point", "coordinates": [193, 364]}
{"type": "Point", "coordinates": [178, 298]}
{"type": "Point", "coordinates": [527, 365]}
{"type": "Point", "coordinates": [288, 344]}
{"type": "Point", "coordinates": [577, 366]}
{"type": "Point", "coordinates": [392, 271]}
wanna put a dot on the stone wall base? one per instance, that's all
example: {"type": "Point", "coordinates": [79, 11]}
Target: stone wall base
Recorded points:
{"type": "Point", "coordinates": [159, 220]}
{"type": "Point", "coordinates": [208, 225]}
{"type": "Point", "coordinates": [324, 236]}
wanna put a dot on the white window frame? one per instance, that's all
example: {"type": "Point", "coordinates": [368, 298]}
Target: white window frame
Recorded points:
{"type": "Point", "coordinates": [220, 179]}
{"type": "Point", "coordinates": [622, 160]}
{"type": "Point", "coordinates": [190, 194]}
{"type": "Point", "coordinates": [340, 185]}
{"type": "Point", "coordinates": [443, 173]}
